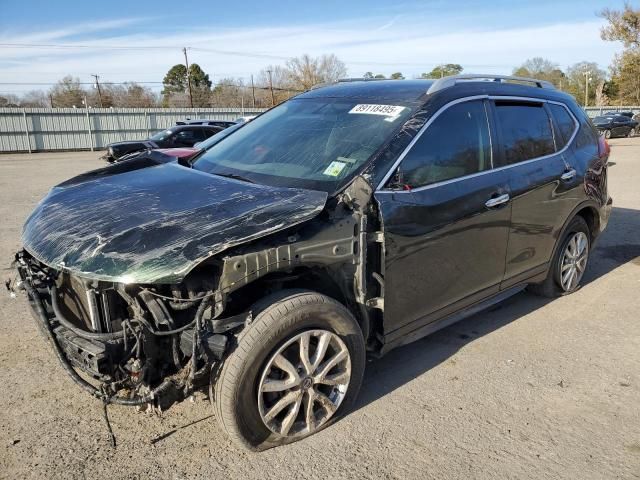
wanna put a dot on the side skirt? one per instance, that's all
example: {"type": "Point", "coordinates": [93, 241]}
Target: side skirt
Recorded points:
{"type": "Point", "coordinates": [432, 327]}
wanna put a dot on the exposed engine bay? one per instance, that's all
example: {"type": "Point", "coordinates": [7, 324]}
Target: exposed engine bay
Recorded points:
{"type": "Point", "coordinates": [141, 343]}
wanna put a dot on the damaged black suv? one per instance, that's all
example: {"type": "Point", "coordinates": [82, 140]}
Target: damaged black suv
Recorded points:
{"type": "Point", "coordinates": [347, 221]}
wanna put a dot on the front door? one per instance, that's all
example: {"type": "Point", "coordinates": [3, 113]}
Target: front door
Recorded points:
{"type": "Point", "coordinates": [446, 216]}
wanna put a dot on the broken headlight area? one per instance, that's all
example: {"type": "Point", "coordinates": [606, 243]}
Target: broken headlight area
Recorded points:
{"type": "Point", "coordinates": [136, 342]}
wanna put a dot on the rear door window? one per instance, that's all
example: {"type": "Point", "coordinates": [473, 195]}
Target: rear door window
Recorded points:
{"type": "Point", "coordinates": [565, 124]}
{"type": "Point", "coordinates": [454, 145]}
{"type": "Point", "coordinates": [525, 130]}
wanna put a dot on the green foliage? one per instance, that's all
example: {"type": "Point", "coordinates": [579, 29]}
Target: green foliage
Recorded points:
{"type": "Point", "coordinates": [577, 76]}
{"type": "Point", "coordinates": [623, 25]}
{"type": "Point", "coordinates": [176, 86]}
{"type": "Point", "coordinates": [625, 78]}
{"type": "Point", "coordinates": [397, 76]}
{"type": "Point", "coordinates": [443, 71]}
{"type": "Point", "coordinates": [175, 81]}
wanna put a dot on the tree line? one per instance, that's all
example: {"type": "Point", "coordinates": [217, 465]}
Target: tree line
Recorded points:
{"type": "Point", "coordinates": [184, 87]}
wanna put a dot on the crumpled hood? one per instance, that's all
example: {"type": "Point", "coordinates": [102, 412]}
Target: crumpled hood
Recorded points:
{"type": "Point", "coordinates": [139, 222]}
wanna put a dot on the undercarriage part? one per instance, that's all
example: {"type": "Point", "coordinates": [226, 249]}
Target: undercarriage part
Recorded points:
{"type": "Point", "coordinates": [213, 345]}
{"type": "Point", "coordinates": [143, 349]}
{"type": "Point", "coordinates": [92, 356]}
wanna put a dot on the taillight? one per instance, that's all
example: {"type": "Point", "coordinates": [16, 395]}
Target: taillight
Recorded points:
{"type": "Point", "coordinates": [603, 148]}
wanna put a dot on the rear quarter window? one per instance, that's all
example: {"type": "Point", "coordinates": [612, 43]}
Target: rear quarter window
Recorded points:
{"type": "Point", "coordinates": [525, 131]}
{"type": "Point", "coordinates": [587, 136]}
{"type": "Point", "coordinates": [565, 124]}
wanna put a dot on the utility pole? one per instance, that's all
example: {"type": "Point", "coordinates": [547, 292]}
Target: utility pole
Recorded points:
{"type": "Point", "coordinates": [97, 77]}
{"type": "Point", "coordinates": [273, 101]}
{"type": "Point", "coordinates": [253, 92]}
{"type": "Point", "coordinates": [586, 87]}
{"type": "Point", "coordinates": [186, 61]}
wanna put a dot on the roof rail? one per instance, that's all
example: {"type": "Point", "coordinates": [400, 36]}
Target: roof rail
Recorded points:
{"type": "Point", "coordinates": [346, 80]}
{"type": "Point", "coordinates": [359, 79]}
{"type": "Point", "coordinates": [452, 80]}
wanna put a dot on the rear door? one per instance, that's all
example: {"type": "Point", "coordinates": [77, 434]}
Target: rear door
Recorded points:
{"type": "Point", "coordinates": [541, 179]}
{"type": "Point", "coordinates": [446, 219]}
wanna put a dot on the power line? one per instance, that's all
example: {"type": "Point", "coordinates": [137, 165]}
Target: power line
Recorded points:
{"type": "Point", "coordinates": [71, 46]}
{"type": "Point", "coordinates": [236, 53]}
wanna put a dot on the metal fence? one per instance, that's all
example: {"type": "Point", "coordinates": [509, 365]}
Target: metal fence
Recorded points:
{"type": "Point", "coordinates": [595, 111]}
{"type": "Point", "coordinates": [49, 129]}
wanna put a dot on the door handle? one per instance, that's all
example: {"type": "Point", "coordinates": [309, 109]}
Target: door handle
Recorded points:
{"type": "Point", "coordinates": [568, 175]}
{"type": "Point", "coordinates": [496, 201]}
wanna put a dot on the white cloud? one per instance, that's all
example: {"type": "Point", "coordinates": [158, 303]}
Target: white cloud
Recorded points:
{"type": "Point", "coordinates": [377, 44]}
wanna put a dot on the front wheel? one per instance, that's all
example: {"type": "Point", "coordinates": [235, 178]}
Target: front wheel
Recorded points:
{"type": "Point", "coordinates": [607, 134]}
{"type": "Point", "coordinates": [296, 369]}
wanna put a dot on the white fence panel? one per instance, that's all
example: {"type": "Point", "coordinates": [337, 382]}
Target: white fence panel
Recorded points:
{"type": "Point", "coordinates": [49, 129]}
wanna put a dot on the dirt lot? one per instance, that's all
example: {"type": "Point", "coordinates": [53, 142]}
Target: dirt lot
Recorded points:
{"type": "Point", "coordinates": [532, 389]}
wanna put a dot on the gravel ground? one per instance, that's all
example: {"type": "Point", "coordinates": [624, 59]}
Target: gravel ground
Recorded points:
{"type": "Point", "coordinates": [532, 389]}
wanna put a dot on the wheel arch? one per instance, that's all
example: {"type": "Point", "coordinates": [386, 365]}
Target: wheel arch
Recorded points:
{"type": "Point", "coordinates": [318, 280]}
{"type": "Point", "coordinates": [588, 210]}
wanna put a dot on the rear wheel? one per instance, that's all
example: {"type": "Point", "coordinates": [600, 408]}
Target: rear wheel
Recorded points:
{"type": "Point", "coordinates": [296, 369]}
{"type": "Point", "coordinates": [569, 262]}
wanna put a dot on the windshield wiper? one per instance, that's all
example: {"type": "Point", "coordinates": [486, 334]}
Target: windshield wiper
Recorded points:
{"type": "Point", "coordinates": [235, 177]}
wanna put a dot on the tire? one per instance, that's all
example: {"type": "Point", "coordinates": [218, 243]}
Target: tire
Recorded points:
{"type": "Point", "coordinates": [607, 134]}
{"type": "Point", "coordinates": [280, 319]}
{"type": "Point", "coordinates": [553, 286]}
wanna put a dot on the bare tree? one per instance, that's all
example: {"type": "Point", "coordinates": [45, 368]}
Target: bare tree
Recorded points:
{"type": "Point", "coordinates": [542, 69]}
{"type": "Point", "coordinates": [306, 71]}
{"type": "Point", "coordinates": [9, 100]}
{"type": "Point", "coordinates": [68, 92]}
{"type": "Point", "coordinates": [34, 99]}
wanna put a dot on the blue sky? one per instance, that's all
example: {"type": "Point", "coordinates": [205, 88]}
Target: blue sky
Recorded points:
{"type": "Point", "coordinates": [236, 39]}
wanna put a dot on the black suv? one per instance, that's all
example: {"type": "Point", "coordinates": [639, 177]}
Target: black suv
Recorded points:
{"type": "Point", "coordinates": [174, 137]}
{"type": "Point", "coordinates": [349, 220]}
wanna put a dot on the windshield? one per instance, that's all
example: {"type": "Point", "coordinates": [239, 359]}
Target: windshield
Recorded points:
{"type": "Point", "coordinates": [160, 136]}
{"type": "Point", "coordinates": [309, 143]}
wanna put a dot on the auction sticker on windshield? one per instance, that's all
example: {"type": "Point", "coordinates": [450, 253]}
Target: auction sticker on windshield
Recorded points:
{"type": "Point", "coordinates": [334, 169]}
{"type": "Point", "coordinates": [384, 110]}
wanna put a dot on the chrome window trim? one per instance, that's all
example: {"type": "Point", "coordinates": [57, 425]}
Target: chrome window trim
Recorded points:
{"type": "Point", "coordinates": [380, 188]}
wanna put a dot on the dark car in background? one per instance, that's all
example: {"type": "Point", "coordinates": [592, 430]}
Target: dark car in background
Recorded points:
{"type": "Point", "coordinates": [616, 125]}
{"type": "Point", "coordinates": [349, 220]}
{"type": "Point", "coordinates": [174, 137]}
{"type": "Point", "coordinates": [185, 154]}
{"type": "Point", "coordinates": [624, 114]}
{"type": "Point", "coordinates": [206, 121]}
